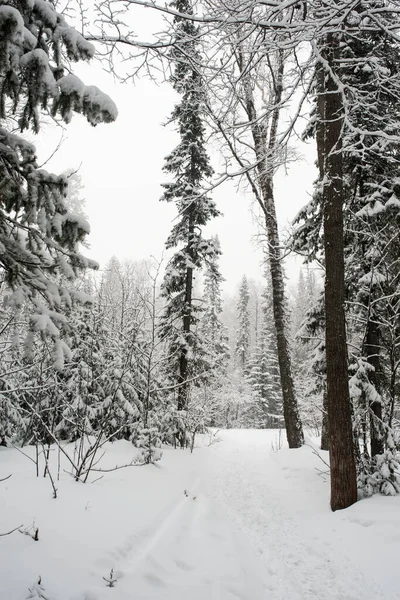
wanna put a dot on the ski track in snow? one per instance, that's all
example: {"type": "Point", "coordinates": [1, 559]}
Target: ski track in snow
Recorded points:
{"type": "Point", "coordinates": [232, 538]}
{"type": "Point", "coordinates": [254, 524]}
{"type": "Point", "coordinates": [187, 549]}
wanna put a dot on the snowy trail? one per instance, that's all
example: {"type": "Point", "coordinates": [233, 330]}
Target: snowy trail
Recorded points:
{"type": "Point", "coordinates": [234, 521]}
{"type": "Point", "coordinates": [238, 535]}
{"type": "Point", "coordinates": [258, 498]}
{"type": "Point", "coordinates": [189, 548]}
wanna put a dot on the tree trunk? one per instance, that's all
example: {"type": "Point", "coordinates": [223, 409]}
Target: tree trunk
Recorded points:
{"type": "Point", "coordinates": [325, 423]}
{"type": "Point", "coordinates": [183, 389]}
{"type": "Point", "coordinates": [265, 147]}
{"type": "Point", "coordinates": [294, 431]}
{"type": "Point", "coordinates": [341, 450]}
{"type": "Point", "coordinates": [371, 349]}
{"type": "Point", "coordinates": [320, 135]}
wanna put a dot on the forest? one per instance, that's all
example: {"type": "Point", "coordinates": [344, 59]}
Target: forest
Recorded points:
{"type": "Point", "coordinates": [148, 360]}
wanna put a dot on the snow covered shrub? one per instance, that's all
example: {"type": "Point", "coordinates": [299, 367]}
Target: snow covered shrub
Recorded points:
{"type": "Point", "coordinates": [366, 480]}
{"type": "Point", "coordinates": [387, 472]}
{"type": "Point", "coordinates": [10, 418]}
{"type": "Point", "coordinates": [150, 445]}
{"type": "Point", "coordinates": [379, 473]}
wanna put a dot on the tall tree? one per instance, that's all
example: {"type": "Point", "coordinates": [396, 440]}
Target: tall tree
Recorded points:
{"type": "Point", "coordinates": [373, 195]}
{"type": "Point", "coordinates": [243, 320]}
{"type": "Point", "coordinates": [190, 167]}
{"type": "Point", "coordinates": [257, 147]}
{"type": "Point", "coordinates": [356, 83]}
{"type": "Point", "coordinates": [331, 115]}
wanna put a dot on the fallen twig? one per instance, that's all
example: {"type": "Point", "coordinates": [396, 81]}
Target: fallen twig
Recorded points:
{"type": "Point", "coordinates": [132, 464]}
{"type": "Point", "coordinates": [12, 530]}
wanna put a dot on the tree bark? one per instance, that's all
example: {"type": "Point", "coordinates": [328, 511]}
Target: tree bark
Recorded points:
{"type": "Point", "coordinates": [320, 136]}
{"type": "Point", "coordinates": [325, 422]}
{"type": "Point", "coordinates": [183, 389]}
{"type": "Point", "coordinates": [294, 430]}
{"type": "Point", "coordinates": [341, 449]}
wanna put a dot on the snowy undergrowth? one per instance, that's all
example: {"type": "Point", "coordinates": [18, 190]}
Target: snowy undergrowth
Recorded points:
{"type": "Point", "coordinates": [236, 520]}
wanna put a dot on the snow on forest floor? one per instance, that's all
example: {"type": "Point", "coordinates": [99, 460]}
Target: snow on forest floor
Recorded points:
{"type": "Point", "coordinates": [255, 525]}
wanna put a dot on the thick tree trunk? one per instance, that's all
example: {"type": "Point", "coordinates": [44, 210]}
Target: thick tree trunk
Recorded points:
{"type": "Point", "coordinates": [320, 136]}
{"type": "Point", "coordinates": [371, 350]}
{"type": "Point", "coordinates": [341, 450]}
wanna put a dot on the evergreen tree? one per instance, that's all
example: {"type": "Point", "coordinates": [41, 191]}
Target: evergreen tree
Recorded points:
{"type": "Point", "coordinates": [263, 371]}
{"type": "Point", "coordinates": [374, 200]}
{"type": "Point", "coordinates": [189, 165]}
{"type": "Point", "coordinates": [243, 318]}
{"type": "Point", "coordinates": [359, 120]}
{"type": "Point", "coordinates": [311, 369]}
{"type": "Point", "coordinates": [38, 235]}
{"type": "Point", "coordinates": [212, 329]}
{"type": "Point", "coordinates": [306, 360]}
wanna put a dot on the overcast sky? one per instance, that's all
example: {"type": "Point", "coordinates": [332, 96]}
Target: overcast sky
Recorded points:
{"type": "Point", "coordinates": [121, 168]}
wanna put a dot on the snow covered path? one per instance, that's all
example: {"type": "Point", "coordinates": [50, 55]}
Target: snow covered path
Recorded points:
{"type": "Point", "coordinates": [234, 521]}
{"type": "Point", "coordinates": [304, 551]}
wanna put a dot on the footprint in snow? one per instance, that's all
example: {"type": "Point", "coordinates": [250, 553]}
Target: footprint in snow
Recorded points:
{"type": "Point", "coordinates": [154, 579]}
{"type": "Point", "coordinates": [184, 566]}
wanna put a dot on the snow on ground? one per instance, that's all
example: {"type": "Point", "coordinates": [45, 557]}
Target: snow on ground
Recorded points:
{"type": "Point", "coordinates": [238, 520]}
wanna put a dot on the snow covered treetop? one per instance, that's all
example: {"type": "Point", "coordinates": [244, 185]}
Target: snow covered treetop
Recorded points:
{"type": "Point", "coordinates": [35, 45]}
{"type": "Point", "coordinates": [39, 236]}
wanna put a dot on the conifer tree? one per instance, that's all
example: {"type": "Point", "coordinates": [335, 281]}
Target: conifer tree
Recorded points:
{"type": "Point", "coordinates": [304, 359]}
{"type": "Point", "coordinates": [190, 167]}
{"type": "Point", "coordinates": [263, 371]}
{"type": "Point", "coordinates": [212, 329]}
{"type": "Point", "coordinates": [38, 235]}
{"type": "Point", "coordinates": [243, 318]}
{"type": "Point", "coordinates": [357, 135]}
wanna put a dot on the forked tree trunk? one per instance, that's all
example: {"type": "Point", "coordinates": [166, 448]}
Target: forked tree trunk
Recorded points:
{"type": "Point", "coordinates": [265, 147]}
{"type": "Point", "coordinates": [341, 449]}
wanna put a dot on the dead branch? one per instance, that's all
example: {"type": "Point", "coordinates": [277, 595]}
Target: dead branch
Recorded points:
{"type": "Point", "coordinates": [12, 530]}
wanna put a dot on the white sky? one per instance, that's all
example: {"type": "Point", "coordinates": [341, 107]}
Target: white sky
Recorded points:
{"type": "Point", "coordinates": [121, 170]}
